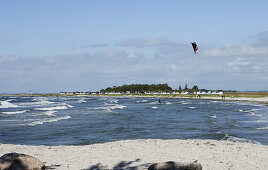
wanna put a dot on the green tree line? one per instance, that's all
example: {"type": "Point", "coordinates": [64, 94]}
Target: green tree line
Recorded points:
{"type": "Point", "coordinates": [146, 88]}
{"type": "Point", "coordinates": [139, 88]}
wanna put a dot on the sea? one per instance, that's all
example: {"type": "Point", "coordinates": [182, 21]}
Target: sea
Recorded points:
{"type": "Point", "coordinates": [78, 120]}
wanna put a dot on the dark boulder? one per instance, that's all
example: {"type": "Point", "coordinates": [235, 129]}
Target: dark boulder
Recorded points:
{"type": "Point", "coordinates": [17, 161]}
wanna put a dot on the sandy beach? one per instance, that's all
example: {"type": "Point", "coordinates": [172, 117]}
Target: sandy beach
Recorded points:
{"type": "Point", "coordinates": [140, 154]}
{"type": "Point", "coordinates": [261, 100]}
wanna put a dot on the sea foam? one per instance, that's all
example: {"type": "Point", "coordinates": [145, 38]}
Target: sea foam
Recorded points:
{"type": "Point", "coordinates": [15, 112]}
{"type": "Point", "coordinates": [40, 122]}
{"type": "Point", "coordinates": [262, 128]}
{"type": "Point", "coordinates": [212, 116]}
{"type": "Point", "coordinates": [7, 104]}
{"type": "Point", "coordinates": [52, 108]}
{"type": "Point", "coordinates": [237, 139]}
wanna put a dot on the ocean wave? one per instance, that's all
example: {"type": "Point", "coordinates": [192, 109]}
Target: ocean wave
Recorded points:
{"type": "Point", "coordinates": [49, 113]}
{"type": "Point", "coordinates": [191, 107]}
{"type": "Point", "coordinates": [254, 121]}
{"type": "Point", "coordinates": [69, 106]}
{"type": "Point", "coordinates": [118, 106]}
{"type": "Point", "coordinates": [262, 128]}
{"type": "Point", "coordinates": [212, 116]}
{"type": "Point", "coordinates": [42, 101]}
{"type": "Point", "coordinates": [113, 100]}
{"type": "Point", "coordinates": [108, 110]}
{"type": "Point", "coordinates": [168, 103]}
{"type": "Point", "coordinates": [52, 108]}
{"type": "Point", "coordinates": [15, 112]}
{"type": "Point", "coordinates": [40, 122]}
{"type": "Point", "coordinates": [7, 104]}
{"type": "Point", "coordinates": [155, 102]}
{"type": "Point", "coordinates": [236, 139]}
{"type": "Point", "coordinates": [250, 112]}
{"type": "Point", "coordinates": [82, 101]}
{"type": "Point", "coordinates": [36, 103]}
{"type": "Point", "coordinates": [109, 106]}
{"type": "Point", "coordinates": [154, 107]}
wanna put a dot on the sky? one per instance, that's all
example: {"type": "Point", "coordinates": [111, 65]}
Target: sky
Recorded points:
{"type": "Point", "coordinates": [87, 45]}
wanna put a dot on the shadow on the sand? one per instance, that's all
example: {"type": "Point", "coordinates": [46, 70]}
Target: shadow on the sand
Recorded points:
{"type": "Point", "coordinates": [123, 165]}
{"type": "Point", "coordinates": [53, 166]}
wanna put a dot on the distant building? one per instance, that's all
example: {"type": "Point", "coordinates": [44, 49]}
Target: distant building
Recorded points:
{"type": "Point", "coordinates": [75, 93]}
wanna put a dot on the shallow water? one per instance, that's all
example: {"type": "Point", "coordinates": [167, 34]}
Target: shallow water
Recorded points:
{"type": "Point", "coordinates": [87, 120]}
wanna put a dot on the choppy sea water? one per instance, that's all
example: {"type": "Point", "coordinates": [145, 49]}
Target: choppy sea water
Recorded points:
{"type": "Point", "coordinates": [88, 120]}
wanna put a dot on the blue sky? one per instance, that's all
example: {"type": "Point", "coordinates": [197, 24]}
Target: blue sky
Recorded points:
{"type": "Point", "coordinates": [64, 45]}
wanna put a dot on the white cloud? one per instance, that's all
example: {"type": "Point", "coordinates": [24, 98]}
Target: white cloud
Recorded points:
{"type": "Point", "coordinates": [9, 58]}
{"type": "Point", "coordinates": [236, 50]}
{"type": "Point", "coordinates": [239, 62]}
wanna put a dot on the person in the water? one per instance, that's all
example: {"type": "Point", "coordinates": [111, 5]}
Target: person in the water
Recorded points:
{"type": "Point", "coordinates": [159, 101]}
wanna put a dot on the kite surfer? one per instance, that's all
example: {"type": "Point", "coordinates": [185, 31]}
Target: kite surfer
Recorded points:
{"type": "Point", "coordinates": [195, 47]}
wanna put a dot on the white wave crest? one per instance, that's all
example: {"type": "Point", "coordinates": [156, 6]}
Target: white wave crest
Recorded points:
{"type": "Point", "coordinates": [49, 113]}
{"type": "Point", "coordinates": [191, 107]}
{"type": "Point", "coordinates": [236, 139]}
{"type": "Point", "coordinates": [82, 101]}
{"type": "Point", "coordinates": [252, 113]}
{"type": "Point", "coordinates": [109, 106]}
{"type": "Point", "coordinates": [118, 106]}
{"type": "Point", "coordinates": [40, 122]}
{"type": "Point", "coordinates": [169, 103]}
{"type": "Point", "coordinates": [254, 121]}
{"type": "Point", "coordinates": [52, 108]}
{"type": "Point", "coordinates": [70, 106]}
{"type": "Point", "coordinates": [7, 104]}
{"type": "Point", "coordinates": [212, 116]}
{"type": "Point", "coordinates": [113, 100]}
{"type": "Point", "coordinates": [15, 112]}
{"type": "Point", "coordinates": [154, 107]}
{"type": "Point", "coordinates": [266, 128]}
{"type": "Point", "coordinates": [43, 102]}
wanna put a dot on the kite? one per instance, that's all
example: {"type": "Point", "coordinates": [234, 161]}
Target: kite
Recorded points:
{"type": "Point", "coordinates": [195, 47]}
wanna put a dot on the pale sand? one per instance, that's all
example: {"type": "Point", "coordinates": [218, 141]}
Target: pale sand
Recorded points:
{"type": "Point", "coordinates": [211, 154]}
{"type": "Point", "coordinates": [263, 100]}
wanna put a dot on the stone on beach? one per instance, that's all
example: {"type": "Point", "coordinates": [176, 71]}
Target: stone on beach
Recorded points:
{"type": "Point", "coordinates": [17, 161]}
{"type": "Point", "coordinates": [175, 166]}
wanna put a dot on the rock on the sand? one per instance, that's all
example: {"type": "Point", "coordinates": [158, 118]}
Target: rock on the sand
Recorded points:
{"type": "Point", "coordinates": [17, 161]}
{"type": "Point", "coordinates": [175, 166]}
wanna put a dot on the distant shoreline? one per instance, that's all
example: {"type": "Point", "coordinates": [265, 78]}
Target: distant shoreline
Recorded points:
{"type": "Point", "coordinates": [252, 97]}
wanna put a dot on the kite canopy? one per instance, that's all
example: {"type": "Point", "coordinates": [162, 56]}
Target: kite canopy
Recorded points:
{"type": "Point", "coordinates": [195, 47]}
